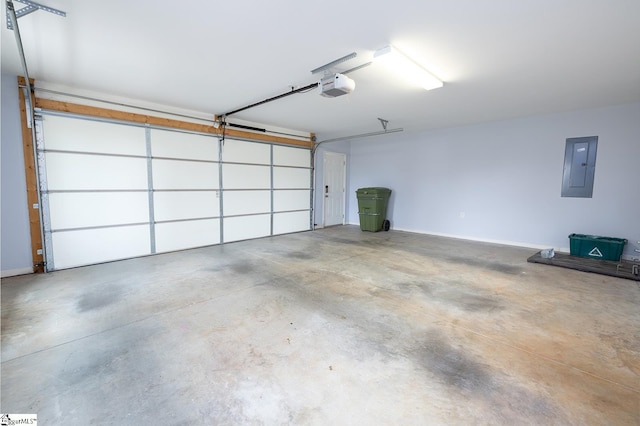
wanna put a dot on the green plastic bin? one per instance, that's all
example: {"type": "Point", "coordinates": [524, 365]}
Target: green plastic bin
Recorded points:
{"type": "Point", "coordinates": [372, 207]}
{"type": "Point", "coordinates": [594, 247]}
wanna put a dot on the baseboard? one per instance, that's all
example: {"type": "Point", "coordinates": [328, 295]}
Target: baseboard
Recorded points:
{"type": "Point", "coordinates": [491, 241]}
{"type": "Point", "coordinates": [486, 240]}
{"type": "Point", "coordinates": [13, 272]}
{"type": "Point", "coordinates": [481, 240]}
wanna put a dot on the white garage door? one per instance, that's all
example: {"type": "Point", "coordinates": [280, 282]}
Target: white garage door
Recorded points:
{"type": "Point", "coordinates": [113, 190]}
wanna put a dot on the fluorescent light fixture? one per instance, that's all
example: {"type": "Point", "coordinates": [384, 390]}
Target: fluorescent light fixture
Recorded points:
{"type": "Point", "coordinates": [406, 68]}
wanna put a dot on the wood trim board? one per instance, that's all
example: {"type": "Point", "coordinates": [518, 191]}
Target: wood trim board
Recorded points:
{"type": "Point", "coordinates": [37, 252]}
{"type": "Point", "coordinates": [91, 111]}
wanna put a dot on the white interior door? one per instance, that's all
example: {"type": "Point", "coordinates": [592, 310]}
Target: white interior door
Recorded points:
{"type": "Point", "coordinates": [333, 188]}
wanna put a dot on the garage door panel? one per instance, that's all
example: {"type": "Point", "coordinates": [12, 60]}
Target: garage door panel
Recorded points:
{"type": "Point", "coordinates": [73, 134]}
{"type": "Point", "coordinates": [78, 210]}
{"type": "Point", "coordinates": [95, 172]}
{"type": "Point", "coordinates": [90, 246]}
{"type": "Point", "coordinates": [188, 234]}
{"type": "Point", "coordinates": [166, 143]}
{"type": "Point", "coordinates": [247, 227]}
{"type": "Point", "coordinates": [239, 176]}
{"type": "Point", "coordinates": [236, 151]}
{"type": "Point", "coordinates": [284, 200]}
{"type": "Point", "coordinates": [174, 174]}
{"type": "Point", "coordinates": [104, 181]}
{"type": "Point", "coordinates": [287, 177]}
{"type": "Point", "coordinates": [185, 205]}
{"type": "Point", "coordinates": [285, 223]}
{"type": "Point", "coordinates": [287, 156]}
{"type": "Point", "coordinates": [246, 202]}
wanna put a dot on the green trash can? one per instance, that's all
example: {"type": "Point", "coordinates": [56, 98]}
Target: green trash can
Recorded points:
{"type": "Point", "coordinates": [372, 208]}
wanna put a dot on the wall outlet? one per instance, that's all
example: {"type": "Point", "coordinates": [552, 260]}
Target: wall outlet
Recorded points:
{"type": "Point", "coordinates": [462, 215]}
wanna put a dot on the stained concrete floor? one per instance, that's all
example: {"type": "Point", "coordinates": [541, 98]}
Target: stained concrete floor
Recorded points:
{"type": "Point", "coordinates": [331, 327]}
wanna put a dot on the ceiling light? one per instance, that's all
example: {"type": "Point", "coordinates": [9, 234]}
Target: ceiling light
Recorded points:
{"type": "Point", "coordinates": [406, 68]}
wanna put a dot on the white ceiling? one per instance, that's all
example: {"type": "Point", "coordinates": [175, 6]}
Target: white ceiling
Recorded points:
{"type": "Point", "coordinates": [499, 58]}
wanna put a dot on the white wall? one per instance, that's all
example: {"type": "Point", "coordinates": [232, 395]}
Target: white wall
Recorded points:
{"type": "Point", "coordinates": [341, 147]}
{"type": "Point", "coordinates": [15, 256]}
{"type": "Point", "coordinates": [505, 179]}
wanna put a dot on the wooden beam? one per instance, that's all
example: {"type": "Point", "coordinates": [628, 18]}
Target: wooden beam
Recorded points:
{"type": "Point", "coordinates": [32, 183]}
{"type": "Point", "coordinates": [73, 108]}
{"type": "Point", "coordinates": [232, 133]}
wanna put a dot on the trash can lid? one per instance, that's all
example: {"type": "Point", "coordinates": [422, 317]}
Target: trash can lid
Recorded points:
{"type": "Point", "coordinates": [373, 190]}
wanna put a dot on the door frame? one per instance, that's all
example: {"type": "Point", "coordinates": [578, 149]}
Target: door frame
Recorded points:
{"type": "Point", "coordinates": [344, 185]}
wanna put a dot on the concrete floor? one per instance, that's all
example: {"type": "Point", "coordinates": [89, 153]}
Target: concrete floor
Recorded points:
{"type": "Point", "coordinates": [332, 327]}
